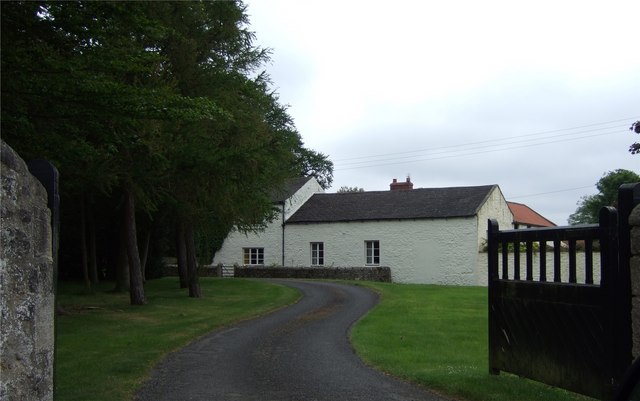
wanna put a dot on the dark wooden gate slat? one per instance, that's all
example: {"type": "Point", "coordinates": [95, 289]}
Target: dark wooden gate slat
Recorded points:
{"type": "Point", "coordinates": [529, 248]}
{"type": "Point", "coordinates": [516, 260]}
{"type": "Point", "coordinates": [543, 260]}
{"type": "Point", "coordinates": [557, 265]}
{"type": "Point", "coordinates": [572, 261]}
{"type": "Point", "coordinates": [505, 261]}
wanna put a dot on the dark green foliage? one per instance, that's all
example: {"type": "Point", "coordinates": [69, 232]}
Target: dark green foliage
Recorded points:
{"type": "Point", "coordinates": [161, 100]}
{"type": "Point", "coordinates": [348, 190]}
{"type": "Point", "coordinates": [589, 206]}
{"type": "Point", "coordinates": [635, 147]}
{"type": "Point", "coordinates": [311, 163]}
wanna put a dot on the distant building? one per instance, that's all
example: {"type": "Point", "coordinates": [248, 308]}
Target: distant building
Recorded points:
{"type": "Point", "coordinates": [525, 217]}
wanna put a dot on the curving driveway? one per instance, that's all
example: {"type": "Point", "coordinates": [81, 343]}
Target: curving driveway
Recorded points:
{"type": "Point", "coordinates": [301, 352]}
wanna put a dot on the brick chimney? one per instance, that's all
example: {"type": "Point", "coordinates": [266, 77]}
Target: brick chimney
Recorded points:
{"type": "Point", "coordinates": [401, 186]}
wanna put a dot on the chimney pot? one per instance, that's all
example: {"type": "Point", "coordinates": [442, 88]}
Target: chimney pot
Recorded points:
{"type": "Point", "coordinates": [401, 186]}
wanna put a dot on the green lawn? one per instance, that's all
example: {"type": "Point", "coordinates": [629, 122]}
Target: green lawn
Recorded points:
{"type": "Point", "coordinates": [432, 335]}
{"type": "Point", "coordinates": [105, 347]}
{"type": "Point", "coordinates": [437, 336]}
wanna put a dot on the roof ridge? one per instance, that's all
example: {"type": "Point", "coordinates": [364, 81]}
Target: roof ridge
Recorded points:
{"type": "Point", "coordinates": [418, 203]}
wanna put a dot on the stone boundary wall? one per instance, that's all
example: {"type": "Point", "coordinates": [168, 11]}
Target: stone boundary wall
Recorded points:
{"type": "Point", "coordinates": [27, 296]}
{"type": "Point", "coordinates": [376, 273]}
{"type": "Point", "coordinates": [339, 273]}
{"type": "Point", "coordinates": [171, 270]}
{"type": "Point", "coordinates": [634, 224]}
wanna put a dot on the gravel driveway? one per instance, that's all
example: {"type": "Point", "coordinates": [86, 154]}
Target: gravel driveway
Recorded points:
{"type": "Point", "coordinates": [301, 352]}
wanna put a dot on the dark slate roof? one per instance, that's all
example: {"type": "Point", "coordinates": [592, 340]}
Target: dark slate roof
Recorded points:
{"type": "Point", "coordinates": [421, 203]}
{"type": "Point", "coordinates": [291, 187]}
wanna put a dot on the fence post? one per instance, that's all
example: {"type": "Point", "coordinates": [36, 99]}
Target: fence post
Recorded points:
{"type": "Point", "coordinates": [492, 257]}
{"type": "Point", "coordinates": [492, 249]}
{"type": "Point", "coordinates": [628, 197]}
{"type": "Point", "coordinates": [608, 226]}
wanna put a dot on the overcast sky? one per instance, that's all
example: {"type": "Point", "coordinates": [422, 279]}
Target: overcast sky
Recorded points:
{"type": "Point", "coordinates": [535, 96]}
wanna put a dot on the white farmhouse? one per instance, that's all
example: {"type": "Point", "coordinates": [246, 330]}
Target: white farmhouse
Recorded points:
{"type": "Point", "coordinates": [266, 248]}
{"type": "Point", "coordinates": [425, 235]}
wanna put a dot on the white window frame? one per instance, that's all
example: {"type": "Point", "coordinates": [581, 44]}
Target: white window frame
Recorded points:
{"type": "Point", "coordinates": [253, 256]}
{"type": "Point", "coordinates": [372, 253]}
{"type": "Point", "coordinates": [317, 253]}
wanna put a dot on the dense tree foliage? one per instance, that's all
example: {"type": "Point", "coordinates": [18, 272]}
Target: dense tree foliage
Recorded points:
{"type": "Point", "coordinates": [635, 147]}
{"type": "Point", "coordinates": [347, 190]}
{"type": "Point", "coordinates": [589, 206]}
{"type": "Point", "coordinates": [157, 115]}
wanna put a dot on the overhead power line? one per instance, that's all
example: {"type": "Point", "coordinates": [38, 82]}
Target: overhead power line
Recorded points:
{"type": "Point", "coordinates": [551, 192]}
{"type": "Point", "coordinates": [471, 150]}
{"type": "Point", "coordinates": [495, 140]}
{"type": "Point", "coordinates": [459, 153]}
{"type": "Point", "coordinates": [485, 146]}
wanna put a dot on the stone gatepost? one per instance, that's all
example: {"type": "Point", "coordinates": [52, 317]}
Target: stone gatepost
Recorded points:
{"type": "Point", "coordinates": [27, 296]}
{"type": "Point", "coordinates": [634, 224]}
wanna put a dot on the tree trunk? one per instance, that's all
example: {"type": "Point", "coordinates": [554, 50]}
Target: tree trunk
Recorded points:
{"type": "Point", "coordinates": [136, 286]}
{"type": "Point", "coordinates": [192, 263]}
{"type": "Point", "coordinates": [91, 231]}
{"type": "Point", "coordinates": [181, 250]}
{"type": "Point", "coordinates": [83, 243]}
{"type": "Point", "coordinates": [122, 266]}
{"type": "Point", "coordinates": [145, 254]}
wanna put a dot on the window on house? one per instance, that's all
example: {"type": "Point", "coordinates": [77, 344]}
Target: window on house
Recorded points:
{"type": "Point", "coordinates": [253, 256]}
{"type": "Point", "coordinates": [317, 253]}
{"type": "Point", "coordinates": [372, 252]}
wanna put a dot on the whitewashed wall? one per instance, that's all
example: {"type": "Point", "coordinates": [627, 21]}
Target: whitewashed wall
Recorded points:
{"type": "Point", "coordinates": [495, 207]}
{"type": "Point", "coordinates": [437, 251]}
{"type": "Point", "coordinates": [270, 238]}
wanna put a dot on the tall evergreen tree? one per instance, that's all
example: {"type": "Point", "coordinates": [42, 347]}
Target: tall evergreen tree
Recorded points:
{"type": "Point", "coordinates": [142, 104]}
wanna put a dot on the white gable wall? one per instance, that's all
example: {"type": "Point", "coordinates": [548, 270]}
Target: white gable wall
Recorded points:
{"type": "Point", "coordinates": [270, 238]}
{"type": "Point", "coordinates": [301, 196]}
{"type": "Point", "coordinates": [495, 207]}
{"type": "Point", "coordinates": [433, 251]}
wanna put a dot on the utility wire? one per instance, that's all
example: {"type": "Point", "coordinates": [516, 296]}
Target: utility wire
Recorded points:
{"type": "Point", "coordinates": [462, 153]}
{"type": "Point", "coordinates": [495, 140]}
{"type": "Point", "coordinates": [551, 192]}
{"type": "Point", "coordinates": [511, 141]}
{"type": "Point", "coordinates": [544, 135]}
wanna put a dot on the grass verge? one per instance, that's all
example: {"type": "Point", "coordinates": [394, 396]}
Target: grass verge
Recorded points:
{"type": "Point", "coordinates": [105, 347]}
{"type": "Point", "coordinates": [437, 336]}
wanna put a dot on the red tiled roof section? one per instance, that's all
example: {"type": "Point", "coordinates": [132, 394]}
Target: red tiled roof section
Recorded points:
{"type": "Point", "coordinates": [524, 215]}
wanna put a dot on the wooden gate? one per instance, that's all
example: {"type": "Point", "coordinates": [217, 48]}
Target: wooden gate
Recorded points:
{"type": "Point", "coordinates": [569, 334]}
